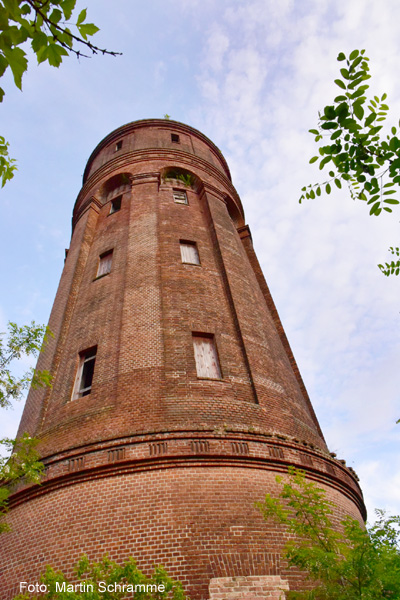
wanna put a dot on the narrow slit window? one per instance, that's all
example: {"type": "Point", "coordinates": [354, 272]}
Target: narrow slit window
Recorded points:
{"type": "Point", "coordinates": [189, 252]}
{"type": "Point", "coordinates": [84, 378]}
{"type": "Point", "coordinates": [115, 204]}
{"type": "Point", "coordinates": [105, 262]}
{"type": "Point", "coordinates": [118, 146]}
{"type": "Point", "coordinates": [206, 356]}
{"type": "Point", "coordinates": [180, 196]}
{"type": "Point", "coordinates": [175, 138]}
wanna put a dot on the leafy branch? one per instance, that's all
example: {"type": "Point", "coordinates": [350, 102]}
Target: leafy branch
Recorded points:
{"type": "Point", "coordinates": [345, 562]}
{"type": "Point", "coordinates": [22, 464]}
{"type": "Point", "coordinates": [46, 24]}
{"type": "Point", "coordinates": [28, 341]}
{"type": "Point", "coordinates": [351, 143]}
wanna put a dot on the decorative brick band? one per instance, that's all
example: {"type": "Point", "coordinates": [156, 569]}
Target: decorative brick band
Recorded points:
{"type": "Point", "coordinates": [179, 450]}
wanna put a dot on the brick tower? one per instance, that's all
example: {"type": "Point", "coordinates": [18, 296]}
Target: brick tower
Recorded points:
{"type": "Point", "coordinates": [176, 398]}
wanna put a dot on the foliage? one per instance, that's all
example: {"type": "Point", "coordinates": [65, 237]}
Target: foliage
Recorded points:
{"type": "Point", "coordinates": [24, 459]}
{"type": "Point", "coordinates": [354, 147]}
{"type": "Point", "coordinates": [180, 175]}
{"type": "Point", "coordinates": [22, 464]}
{"type": "Point", "coordinates": [108, 574]}
{"type": "Point", "coordinates": [7, 164]}
{"type": "Point", "coordinates": [354, 563]}
{"type": "Point", "coordinates": [26, 340]}
{"type": "Point", "coordinates": [167, 117]}
{"type": "Point", "coordinates": [46, 25]}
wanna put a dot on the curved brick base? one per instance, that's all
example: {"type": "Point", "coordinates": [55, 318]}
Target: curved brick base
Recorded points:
{"type": "Point", "coordinates": [199, 522]}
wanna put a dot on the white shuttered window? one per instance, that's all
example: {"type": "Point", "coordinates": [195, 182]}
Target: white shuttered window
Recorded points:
{"type": "Point", "coordinates": [189, 253]}
{"type": "Point", "coordinates": [180, 196]}
{"type": "Point", "coordinates": [105, 262]}
{"type": "Point", "coordinates": [206, 357]}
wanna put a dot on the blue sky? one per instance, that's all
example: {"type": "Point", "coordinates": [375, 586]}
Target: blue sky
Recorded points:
{"type": "Point", "coordinates": [252, 76]}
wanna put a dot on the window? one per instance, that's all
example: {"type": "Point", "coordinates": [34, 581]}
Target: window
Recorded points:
{"type": "Point", "coordinates": [84, 376]}
{"type": "Point", "coordinates": [115, 205]}
{"type": "Point", "coordinates": [175, 138]}
{"type": "Point", "coordinates": [206, 357]}
{"type": "Point", "coordinates": [105, 261]}
{"type": "Point", "coordinates": [118, 146]}
{"type": "Point", "coordinates": [180, 196]}
{"type": "Point", "coordinates": [189, 252]}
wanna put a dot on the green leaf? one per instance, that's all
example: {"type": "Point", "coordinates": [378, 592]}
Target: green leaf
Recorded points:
{"type": "Point", "coordinates": [329, 112]}
{"type": "Point", "coordinates": [336, 134]}
{"type": "Point", "coordinates": [55, 16]}
{"type": "Point", "coordinates": [358, 110]}
{"type": "Point", "coordinates": [394, 130]}
{"type": "Point", "coordinates": [39, 40]}
{"type": "Point", "coordinates": [370, 119]}
{"type": "Point", "coordinates": [338, 183]}
{"type": "Point", "coordinates": [324, 161]}
{"type": "Point", "coordinates": [67, 7]}
{"type": "Point", "coordinates": [314, 131]}
{"type": "Point", "coordinates": [340, 83]}
{"type": "Point", "coordinates": [329, 125]}
{"type": "Point", "coordinates": [87, 29]}
{"type": "Point", "coordinates": [354, 54]}
{"type": "Point", "coordinates": [18, 64]}
{"type": "Point", "coordinates": [391, 201]}
{"type": "Point", "coordinates": [54, 54]}
{"type": "Point", "coordinates": [341, 56]}
{"type": "Point", "coordinates": [328, 188]}
{"type": "Point", "coordinates": [356, 62]}
{"type": "Point", "coordinates": [3, 64]}
{"type": "Point", "coordinates": [374, 208]}
{"type": "Point", "coordinates": [81, 17]}
{"type": "Point", "coordinates": [318, 191]}
{"type": "Point", "coordinates": [344, 73]}
{"type": "Point", "coordinates": [313, 159]}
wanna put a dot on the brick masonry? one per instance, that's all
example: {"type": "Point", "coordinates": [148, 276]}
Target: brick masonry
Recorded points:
{"type": "Point", "coordinates": [156, 462]}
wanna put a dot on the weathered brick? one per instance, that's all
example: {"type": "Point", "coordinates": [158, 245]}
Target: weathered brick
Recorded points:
{"type": "Point", "coordinates": [155, 462]}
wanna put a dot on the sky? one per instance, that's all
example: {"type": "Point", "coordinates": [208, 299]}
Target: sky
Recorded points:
{"type": "Point", "coordinates": [251, 75]}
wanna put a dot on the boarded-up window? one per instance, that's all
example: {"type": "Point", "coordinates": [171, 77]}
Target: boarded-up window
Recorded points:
{"type": "Point", "coordinates": [180, 196]}
{"type": "Point", "coordinates": [189, 252]}
{"type": "Point", "coordinates": [84, 376]}
{"type": "Point", "coordinates": [205, 354]}
{"type": "Point", "coordinates": [105, 262]}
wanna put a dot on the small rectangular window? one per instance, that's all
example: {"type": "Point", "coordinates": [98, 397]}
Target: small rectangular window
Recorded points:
{"type": "Point", "coordinates": [105, 262]}
{"type": "Point", "coordinates": [115, 204]}
{"type": "Point", "coordinates": [84, 376]}
{"type": "Point", "coordinates": [189, 252]}
{"type": "Point", "coordinates": [206, 356]}
{"type": "Point", "coordinates": [175, 138]}
{"type": "Point", "coordinates": [118, 146]}
{"type": "Point", "coordinates": [180, 196]}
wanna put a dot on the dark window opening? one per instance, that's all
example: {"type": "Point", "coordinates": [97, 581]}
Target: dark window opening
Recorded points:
{"type": "Point", "coordinates": [115, 204]}
{"type": "Point", "coordinates": [175, 138]}
{"type": "Point", "coordinates": [118, 146]}
{"type": "Point", "coordinates": [85, 373]}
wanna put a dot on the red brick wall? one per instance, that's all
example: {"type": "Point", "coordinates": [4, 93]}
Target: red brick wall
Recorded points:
{"type": "Point", "coordinates": [192, 453]}
{"type": "Point", "coordinates": [198, 521]}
